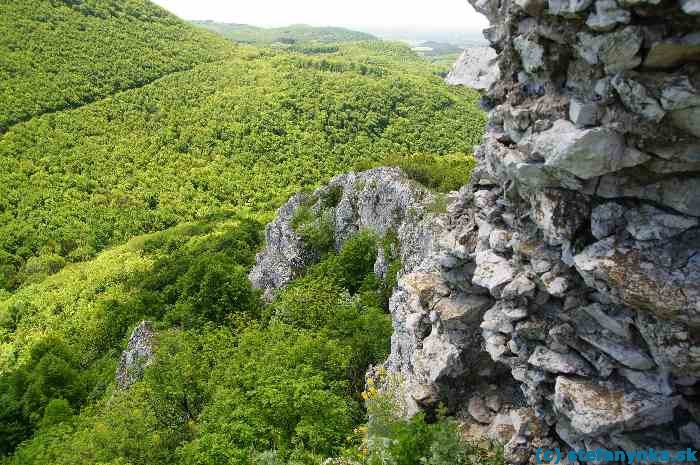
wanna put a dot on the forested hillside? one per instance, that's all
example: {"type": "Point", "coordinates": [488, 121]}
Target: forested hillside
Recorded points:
{"type": "Point", "coordinates": [62, 54]}
{"type": "Point", "coordinates": [245, 132]}
{"type": "Point", "coordinates": [297, 33]}
{"type": "Point", "coordinates": [139, 161]}
{"type": "Point", "coordinates": [234, 381]}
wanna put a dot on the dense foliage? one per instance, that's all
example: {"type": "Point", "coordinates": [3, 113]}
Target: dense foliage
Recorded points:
{"type": "Point", "coordinates": [139, 159]}
{"type": "Point", "coordinates": [297, 33]}
{"type": "Point", "coordinates": [59, 337]}
{"type": "Point", "coordinates": [62, 54]}
{"type": "Point", "coordinates": [391, 438]}
{"type": "Point", "coordinates": [247, 132]}
{"type": "Point", "coordinates": [235, 378]}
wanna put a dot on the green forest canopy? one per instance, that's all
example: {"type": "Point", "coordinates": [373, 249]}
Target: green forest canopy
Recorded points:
{"type": "Point", "coordinates": [139, 159]}
{"type": "Point", "coordinates": [243, 132]}
{"type": "Point", "coordinates": [234, 381]}
{"type": "Point", "coordinates": [62, 54]}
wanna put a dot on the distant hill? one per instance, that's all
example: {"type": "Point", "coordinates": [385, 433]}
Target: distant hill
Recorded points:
{"type": "Point", "coordinates": [415, 36]}
{"type": "Point", "coordinates": [58, 55]}
{"type": "Point", "coordinates": [298, 33]}
{"type": "Point", "coordinates": [432, 48]}
{"type": "Point", "coordinates": [440, 54]}
{"type": "Point", "coordinates": [247, 131]}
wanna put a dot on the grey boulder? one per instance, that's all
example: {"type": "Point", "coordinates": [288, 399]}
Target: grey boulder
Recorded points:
{"type": "Point", "coordinates": [586, 153]}
{"type": "Point", "coordinates": [492, 271]}
{"type": "Point", "coordinates": [595, 409]}
{"type": "Point", "coordinates": [648, 223]}
{"type": "Point", "coordinates": [636, 98]}
{"type": "Point", "coordinates": [556, 362]}
{"type": "Point", "coordinates": [568, 7]}
{"type": "Point", "coordinates": [661, 277]}
{"type": "Point", "coordinates": [607, 16]}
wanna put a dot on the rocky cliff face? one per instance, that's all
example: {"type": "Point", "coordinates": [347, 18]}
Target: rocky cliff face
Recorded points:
{"type": "Point", "coordinates": [435, 309]}
{"type": "Point", "coordinates": [593, 144]}
{"type": "Point", "coordinates": [137, 355]}
{"type": "Point", "coordinates": [557, 300]}
{"type": "Point", "coordinates": [474, 68]}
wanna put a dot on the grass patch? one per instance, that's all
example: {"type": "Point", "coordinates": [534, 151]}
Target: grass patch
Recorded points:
{"type": "Point", "coordinates": [331, 197]}
{"type": "Point", "coordinates": [439, 204]}
{"type": "Point", "coordinates": [438, 173]}
{"type": "Point", "coordinates": [317, 230]}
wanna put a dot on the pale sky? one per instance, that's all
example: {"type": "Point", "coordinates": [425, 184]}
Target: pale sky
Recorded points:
{"type": "Point", "coordinates": [386, 14]}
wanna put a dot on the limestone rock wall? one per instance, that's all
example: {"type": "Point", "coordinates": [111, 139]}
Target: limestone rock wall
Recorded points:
{"type": "Point", "coordinates": [138, 354]}
{"type": "Point", "coordinates": [591, 164]}
{"type": "Point", "coordinates": [474, 68]}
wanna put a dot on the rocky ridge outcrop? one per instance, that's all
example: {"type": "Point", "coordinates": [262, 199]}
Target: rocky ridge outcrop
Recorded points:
{"type": "Point", "coordinates": [475, 68]}
{"type": "Point", "coordinates": [557, 300]}
{"type": "Point", "coordinates": [435, 310]}
{"type": "Point", "coordinates": [382, 200]}
{"type": "Point", "coordinates": [137, 355]}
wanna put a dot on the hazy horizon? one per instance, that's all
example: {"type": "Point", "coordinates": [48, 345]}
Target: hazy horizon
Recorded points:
{"type": "Point", "coordinates": [410, 35]}
{"type": "Point", "coordinates": [400, 16]}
